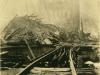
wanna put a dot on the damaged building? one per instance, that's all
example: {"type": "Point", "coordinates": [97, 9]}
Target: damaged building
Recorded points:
{"type": "Point", "coordinates": [54, 43]}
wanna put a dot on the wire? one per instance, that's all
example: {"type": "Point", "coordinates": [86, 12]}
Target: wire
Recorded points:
{"type": "Point", "coordinates": [26, 7]}
{"type": "Point", "coordinates": [4, 6]}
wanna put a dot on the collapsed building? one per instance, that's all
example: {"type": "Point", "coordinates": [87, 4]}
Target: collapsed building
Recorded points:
{"type": "Point", "coordinates": [33, 30]}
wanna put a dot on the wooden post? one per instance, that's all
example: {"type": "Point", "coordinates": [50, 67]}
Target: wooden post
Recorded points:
{"type": "Point", "coordinates": [29, 48]}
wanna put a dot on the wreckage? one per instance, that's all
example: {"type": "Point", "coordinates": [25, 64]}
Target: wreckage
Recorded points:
{"type": "Point", "coordinates": [31, 29]}
{"type": "Point", "coordinates": [27, 40]}
{"type": "Point", "coordinates": [28, 28]}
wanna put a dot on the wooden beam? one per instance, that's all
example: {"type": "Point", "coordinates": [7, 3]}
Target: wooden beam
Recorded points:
{"type": "Point", "coordinates": [51, 69]}
{"type": "Point", "coordinates": [9, 23]}
{"type": "Point", "coordinates": [7, 27]}
{"type": "Point", "coordinates": [3, 40]}
{"type": "Point", "coordinates": [62, 55]}
{"type": "Point", "coordinates": [29, 49]}
{"type": "Point", "coordinates": [55, 57]}
{"type": "Point", "coordinates": [13, 33]}
{"type": "Point", "coordinates": [78, 49]}
{"type": "Point", "coordinates": [2, 53]}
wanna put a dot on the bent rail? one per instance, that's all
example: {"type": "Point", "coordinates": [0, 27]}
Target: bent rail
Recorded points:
{"type": "Point", "coordinates": [71, 63]}
{"type": "Point", "coordinates": [30, 66]}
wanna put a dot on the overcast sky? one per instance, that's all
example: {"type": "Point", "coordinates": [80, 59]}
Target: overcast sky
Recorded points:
{"type": "Point", "coordinates": [89, 10]}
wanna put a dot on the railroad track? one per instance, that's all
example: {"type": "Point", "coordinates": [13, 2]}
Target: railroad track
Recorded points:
{"type": "Point", "coordinates": [56, 62]}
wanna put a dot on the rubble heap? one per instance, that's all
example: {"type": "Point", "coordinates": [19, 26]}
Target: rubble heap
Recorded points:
{"type": "Point", "coordinates": [33, 30]}
{"type": "Point", "coordinates": [30, 28]}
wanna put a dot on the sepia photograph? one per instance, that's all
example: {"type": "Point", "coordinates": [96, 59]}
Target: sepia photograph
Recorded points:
{"type": "Point", "coordinates": [49, 37]}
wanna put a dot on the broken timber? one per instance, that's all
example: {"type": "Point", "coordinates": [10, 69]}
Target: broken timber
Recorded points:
{"type": "Point", "coordinates": [62, 55]}
{"type": "Point", "coordinates": [7, 27]}
{"type": "Point", "coordinates": [29, 48]}
{"type": "Point", "coordinates": [3, 40]}
{"type": "Point", "coordinates": [55, 57]}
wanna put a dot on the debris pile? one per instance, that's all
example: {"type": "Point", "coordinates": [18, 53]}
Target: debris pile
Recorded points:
{"type": "Point", "coordinates": [32, 29]}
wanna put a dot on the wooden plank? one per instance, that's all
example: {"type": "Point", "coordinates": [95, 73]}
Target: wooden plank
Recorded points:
{"type": "Point", "coordinates": [51, 69]}
{"type": "Point", "coordinates": [55, 73]}
{"type": "Point", "coordinates": [4, 52]}
{"type": "Point", "coordinates": [84, 68]}
{"type": "Point", "coordinates": [4, 68]}
{"type": "Point", "coordinates": [9, 62]}
{"type": "Point", "coordinates": [29, 49]}
{"type": "Point", "coordinates": [86, 72]}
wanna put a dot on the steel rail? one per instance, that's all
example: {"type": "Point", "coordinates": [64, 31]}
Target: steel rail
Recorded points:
{"type": "Point", "coordinates": [71, 63]}
{"type": "Point", "coordinates": [30, 66]}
